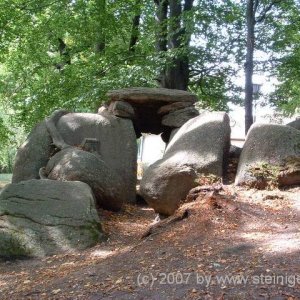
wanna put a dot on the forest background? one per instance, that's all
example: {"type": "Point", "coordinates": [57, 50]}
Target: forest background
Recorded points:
{"type": "Point", "coordinates": [69, 53]}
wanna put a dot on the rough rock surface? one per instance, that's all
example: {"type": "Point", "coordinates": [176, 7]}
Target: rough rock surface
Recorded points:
{"type": "Point", "coordinates": [199, 146]}
{"type": "Point", "coordinates": [146, 95]}
{"type": "Point", "coordinates": [267, 143]}
{"type": "Point", "coordinates": [178, 117]}
{"type": "Point", "coordinates": [103, 110]}
{"type": "Point", "coordinates": [35, 151]}
{"type": "Point", "coordinates": [235, 151]}
{"type": "Point", "coordinates": [114, 140]}
{"type": "Point", "coordinates": [172, 107]}
{"type": "Point", "coordinates": [122, 109]}
{"type": "Point", "coordinates": [295, 124]}
{"type": "Point", "coordinates": [45, 217]}
{"type": "Point", "coordinates": [290, 172]}
{"type": "Point", "coordinates": [117, 145]}
{"type": "Point", "coordinates": [72, 164]}
{"type": "Point", "coordinates": [150, 104]}
{"type": "Point", "coordinates": [33, 154]}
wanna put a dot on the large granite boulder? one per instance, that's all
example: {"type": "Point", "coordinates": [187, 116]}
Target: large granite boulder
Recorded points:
{"type": "Point", "coordinates": [73, 164]}
{"type": "Point", "coordinates": [45, 217]}
{"type": "Point", "coordinates": [35, 151]}
{"type": "Point", "coordinates": [199, 147]}
{"type": "Point", "coordinates": [269, 148]}
{"type": "Point", "coordinates": [113, 139]}
{"type": "Point", "coordinates": [33, 154]}
{"type": "Point", "coordinates": [295, 123]}
{"type": "Point", "coordinates": [150, 106]}
{"type": "Point", "coordinates": [116, 145]}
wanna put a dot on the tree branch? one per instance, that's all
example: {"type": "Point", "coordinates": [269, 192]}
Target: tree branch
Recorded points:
{"type": "Point", "coordinates": [161, 18]}
{"type": "Point", "coordinates": [64, 54]}
{"type": "Point", "coordinates": [25, 6]}
{"type": "Point", "coordinates": [263, 15]}
{"type": "Point", "coordinates": [135, 27]}
{"type": "Point", "coordinates": [256, 3]}
{"type": "Point", "coordinates": [188, 4]}
{"type": "Point", "coordinates": [101, 35]}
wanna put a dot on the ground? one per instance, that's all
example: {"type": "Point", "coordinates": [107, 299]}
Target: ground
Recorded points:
{"type": "Point", "coordinates": [251, 236]}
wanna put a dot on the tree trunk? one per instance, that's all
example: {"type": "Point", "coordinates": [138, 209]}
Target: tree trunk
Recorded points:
{"type": "Point", "coordinates": [161, 33]}
{"type": "Point", "coordinates": [176, 73]}
{"type": "Point", "coordinates": [162, 27]}
{"type": "Point", "coordinates": [64, 54]}
{"type": "Point", "coordinates": [135, 26]}
{"type": "Point", "coordinates": [249, 65]}
{"type": "Point", "coordinates": [101, 36]}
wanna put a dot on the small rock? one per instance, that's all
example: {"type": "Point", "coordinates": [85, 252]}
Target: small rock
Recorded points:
{"type": "Point", "coordinates": [121, 109]}
{"type": "Point", "coordinates": [179, 117]}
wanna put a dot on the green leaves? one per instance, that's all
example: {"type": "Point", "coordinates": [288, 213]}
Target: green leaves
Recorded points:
{"type": "Point", "coordinates": [42, 75]}
{"type": "Point", "coordinates": [286, 58]}
{"type": "Point", "coordinates": [45, 74]}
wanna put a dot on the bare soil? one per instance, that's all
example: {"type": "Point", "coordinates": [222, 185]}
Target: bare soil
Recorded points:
{"type": "Point", "coordinates": [250, 236]}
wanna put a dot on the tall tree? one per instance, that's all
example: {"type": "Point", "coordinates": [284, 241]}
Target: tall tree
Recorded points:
{"type": "Point", "coordinates": [70, 53]}
{"type": "Point", "coordinates": [286, 61]}
{"type": "Point", "coordinates": [135, 26]}
{"type": "Point", "coordinates": [216, 53]}
{"type": "Point", "coordinates": [256, 13]}
{"type": "Point", "coordinates": [172, 36]}
{"type": "Point", "coordinates": [250, 15]}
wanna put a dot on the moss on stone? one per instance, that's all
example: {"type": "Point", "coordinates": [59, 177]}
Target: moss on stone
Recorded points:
{"type": "Point", "coordinates": [264, 176]}
{"type": "Point", "coordinates": [12, 247]}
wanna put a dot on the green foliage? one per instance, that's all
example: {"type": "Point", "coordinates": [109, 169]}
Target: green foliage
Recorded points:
{"type": "Point", "coordinates": [11, 138]}
{"type": "Point", "coordinates": [42, 77]}
{"type": "Point", "coordinates": [216, 55]}
{"type": "Point", "coordinates": [283, 40]}
{"type": "Point", "coordinates": [8, 149]}
{"type": "Point", "coordinates": [287, 94]}
{"type": "Point", "coordinates": [68, 54]}
{"type": "Point", "coordinates": [267, 176]}
{"type": "Point", "coordinates": [4, 132]}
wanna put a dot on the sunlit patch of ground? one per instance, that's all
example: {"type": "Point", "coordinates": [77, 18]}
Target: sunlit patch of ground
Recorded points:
{"type": "Point", "coordinates": [259, 238]}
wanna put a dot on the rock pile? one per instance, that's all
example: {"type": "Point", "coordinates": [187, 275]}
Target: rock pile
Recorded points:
{"type": "Point", "coordinates": [73, 163]}
{"type": "Point", "coordinates": [113, 142]}
{"type": "Point", "coordinates": [152, 110]}
{"type": "Point", "coordinates": [198, 148]}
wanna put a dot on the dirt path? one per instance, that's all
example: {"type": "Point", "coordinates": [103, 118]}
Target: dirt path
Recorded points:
{"type": "Point", "coordinates": [255, 243]}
